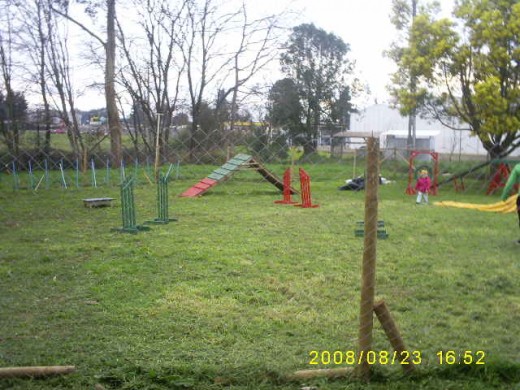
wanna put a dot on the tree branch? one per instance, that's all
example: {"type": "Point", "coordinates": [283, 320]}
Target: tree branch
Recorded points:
{"type": "Point", "coordinates": [80, 25]}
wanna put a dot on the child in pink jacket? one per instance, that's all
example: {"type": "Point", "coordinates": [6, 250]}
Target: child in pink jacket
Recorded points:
{"type": "Point", "coordinates": [423, 186]}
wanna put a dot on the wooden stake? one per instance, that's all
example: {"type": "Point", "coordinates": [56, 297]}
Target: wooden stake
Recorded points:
{"type": "Point", "coordinates": [393, 334]}
{"type": "Point", "coordinates": [12, 372]}
{"type": "Point", "coordinates": [321, 373]}
{"type": "Point", "coordinates": [368, 278]}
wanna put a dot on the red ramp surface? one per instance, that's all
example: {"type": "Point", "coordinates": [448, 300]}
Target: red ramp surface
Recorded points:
{"type": "Point", "coordinates": [227, 170]}
{"type": "Point", "coordinates": [199, 188]}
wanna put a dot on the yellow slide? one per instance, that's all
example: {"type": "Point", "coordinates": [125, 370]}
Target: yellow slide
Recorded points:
{"type": "Point", "coordinates": [509, 206]}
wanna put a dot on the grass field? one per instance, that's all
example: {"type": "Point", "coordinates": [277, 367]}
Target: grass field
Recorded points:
{"type": "Point", "coordinates": [239, 291]}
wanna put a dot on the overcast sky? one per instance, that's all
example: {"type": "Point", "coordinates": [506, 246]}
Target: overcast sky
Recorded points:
{"type": "Point", "coordinates": [363, 24]}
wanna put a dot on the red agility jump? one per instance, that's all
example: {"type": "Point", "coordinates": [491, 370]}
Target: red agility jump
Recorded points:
{"type": "Point", "coordinates": [305, 185]}
{"type": "Point", "coordinates": [287, 191]}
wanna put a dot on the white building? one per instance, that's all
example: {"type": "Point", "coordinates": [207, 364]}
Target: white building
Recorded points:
{"type": "Point", "coordinates": [392, 129]}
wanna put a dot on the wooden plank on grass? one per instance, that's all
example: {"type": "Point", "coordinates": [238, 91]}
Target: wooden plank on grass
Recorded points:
{"type": "Point", "coordinates": [36, 371]}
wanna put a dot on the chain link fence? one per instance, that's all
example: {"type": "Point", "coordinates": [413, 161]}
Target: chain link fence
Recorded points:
{"type": "Point", "coordinates": [37, 164]}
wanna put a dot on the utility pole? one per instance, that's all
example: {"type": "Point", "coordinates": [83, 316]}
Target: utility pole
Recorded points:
{"type": "Point", "coordinates": [412, 123]}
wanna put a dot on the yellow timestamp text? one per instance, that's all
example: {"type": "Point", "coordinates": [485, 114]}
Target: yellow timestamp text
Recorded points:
{"type": "Point", "coordinates": [467, 357]}
{"type": "Point", "coordinates": [358, 357]}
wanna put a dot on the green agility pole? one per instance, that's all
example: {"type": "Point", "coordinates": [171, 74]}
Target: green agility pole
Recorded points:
{"type": "Point", "coordinates": [31, 176]}
{"type": "Point", "coordinates": [128, 208]}
{"type": "Point", "coordinates": [162, 199]}
{"type": "Point", "coordinates": [177, 170]}
{"type": "Point", "coordinates": [47, 181]}
{"type": "Point", "coordinates": [76, 171]}
{"type": "Point", "coordinates": [122, 171]}
{"type": "Point", "coordinates": [16, 181]}
{"type": "Point", "coordinates": [107, 175]}
{"type": "Point", "coordinates": [63, 181]}
{"type": "Point", "coordinates": [136, 171]}
{"type": "Point", "coordinates": [93, 169]}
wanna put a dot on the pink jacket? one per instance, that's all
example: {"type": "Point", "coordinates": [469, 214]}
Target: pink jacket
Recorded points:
{"type": "Point", "coordinates": [423, 184]}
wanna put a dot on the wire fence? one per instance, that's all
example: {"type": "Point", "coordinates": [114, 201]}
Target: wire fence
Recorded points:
{"type": "Point", "coordinates": [33, 166]}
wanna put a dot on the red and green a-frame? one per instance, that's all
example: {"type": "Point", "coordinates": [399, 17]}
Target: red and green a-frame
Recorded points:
{"type": "Point", "coordinates": [227, 170]}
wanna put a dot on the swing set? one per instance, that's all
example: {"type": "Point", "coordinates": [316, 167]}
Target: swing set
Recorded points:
{"type": "Point", "coordinates": [410, 190]}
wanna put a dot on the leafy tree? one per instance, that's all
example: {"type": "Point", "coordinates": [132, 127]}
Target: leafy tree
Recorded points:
{"type": "Point", "coordinates": [12, 104]}
{"type": "Point", "coordinates": [469, 71]}
{"type": "Point", "coordinates": [342, 108]}
{"type": "Point", "coordinates": [13, 110]}
{"type": "Point", "coordinates": [284, 107]}
{"type": "Point", "coordinates": [269, 146]}
{"type": "Point", "coordinates": [316, 61]}
{"type": "Point", "coordinates": [405, 80]}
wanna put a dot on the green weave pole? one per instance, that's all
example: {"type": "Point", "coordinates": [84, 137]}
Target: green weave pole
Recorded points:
{"type": "Point", "coordinates": [128, 208]}
{"type": "Point", "coordinates": [162, 201]}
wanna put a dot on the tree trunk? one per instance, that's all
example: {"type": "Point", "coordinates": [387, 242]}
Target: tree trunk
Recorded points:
{"type": "Point", "coordinates": [114, 124]}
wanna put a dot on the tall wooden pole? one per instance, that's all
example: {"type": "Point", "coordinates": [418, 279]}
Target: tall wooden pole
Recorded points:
{"type": "Point", "coordinates": [368, 278]}
{"type": "Point", "coordinates": [114, 123]}
{"type": "Point", "coordinates": [157, 147]}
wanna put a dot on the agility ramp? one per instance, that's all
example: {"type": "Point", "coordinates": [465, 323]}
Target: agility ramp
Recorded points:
{"type": "Point", "coordinates": [508, 206]}
{"type": "Point", "coordinates": [240, 161]}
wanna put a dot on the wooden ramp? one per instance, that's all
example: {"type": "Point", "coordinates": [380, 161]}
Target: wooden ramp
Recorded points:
{"type": "Point", "coordinates": [228, 169]}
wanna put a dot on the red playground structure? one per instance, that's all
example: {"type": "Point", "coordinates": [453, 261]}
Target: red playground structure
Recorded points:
{"type": "Point", "coordinates": [499, 179]}
{"type": "Point", "coordinates": [410, 190]}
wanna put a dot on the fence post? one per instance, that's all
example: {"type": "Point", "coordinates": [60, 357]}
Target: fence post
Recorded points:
{"type": "Point", "coordinates": [368, 277]}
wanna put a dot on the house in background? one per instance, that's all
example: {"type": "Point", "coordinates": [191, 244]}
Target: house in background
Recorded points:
{"type": "Point", "coordinates": [392, 129]}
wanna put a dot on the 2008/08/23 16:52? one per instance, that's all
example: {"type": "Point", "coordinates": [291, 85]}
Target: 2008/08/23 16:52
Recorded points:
{"type": "Point", "coordinates": [447, 357]}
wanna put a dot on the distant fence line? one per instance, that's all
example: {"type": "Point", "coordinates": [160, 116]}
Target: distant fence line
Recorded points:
{"type": "Point", "coordinates": [55, 158]}
{"type": "Point", "coordinates": [36, 168]}
{"type": "Point", "coordinates": [95, 176]}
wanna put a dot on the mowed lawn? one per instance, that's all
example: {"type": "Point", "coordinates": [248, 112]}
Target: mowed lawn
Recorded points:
{"type": "Point", "coordinates": [239, 291]}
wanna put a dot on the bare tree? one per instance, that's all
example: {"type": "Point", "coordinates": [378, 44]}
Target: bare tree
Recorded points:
{"type": "Point", "coordinates": [34, 35]}
{"type": "Point", "coordinates": [213, 57]}
{"type": "Point", "coordinates": [153, 79]}
{"type": "Point", "coordinates": [203, 27]}
{"type": "Point", "coordinates": [257, 47]}
{"type": "Point", "coordinates": [58, 64]}
{"type": "Point", "coordinates": [114, 122]}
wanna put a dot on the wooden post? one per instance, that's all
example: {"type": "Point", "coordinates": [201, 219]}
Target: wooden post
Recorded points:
{"type": "Point", "coordinates": [368, 278]}
{"type": "Point", "coordinates": [12, 372]}
{"type": "Point", "coordinates": [354, 164]}
{"type": "Point", "coordinates": [157, 147]}
{"type": "Point", "coordinates": [393, 334]}
{"type": "Point", "coordinates": [320, 373]}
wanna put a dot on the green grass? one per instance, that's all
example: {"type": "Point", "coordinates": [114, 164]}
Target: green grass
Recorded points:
{"type": "Point", "coordinates": [239, 291]}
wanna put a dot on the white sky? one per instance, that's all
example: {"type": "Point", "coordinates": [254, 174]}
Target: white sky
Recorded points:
{"type": "Point", "coordinates": [363, 24]}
